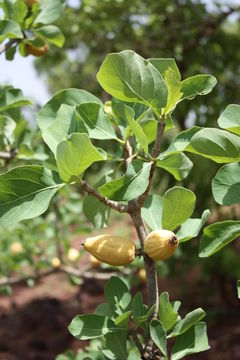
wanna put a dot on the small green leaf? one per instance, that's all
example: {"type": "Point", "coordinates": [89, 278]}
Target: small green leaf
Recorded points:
{"type": "Point", "coordinates": [7, 126]}
{"type": "Point", "coordinates": [129, 77]}
{"type": "Point", "coordinates": [104, 309]}
{"type": "Point", "coordinates": [50, 11]}
{"type": "Point", "coordinates": [179, 165]}
{"type": "Point", "coordinates": [152, 212]}
{"type": "Point", "coordinates": [137, 306]}
{"type": "Point", "coordinates": [75, 155]}
{"type": "Point", "coordinates": [85, 327]}
{"type": "Point", "coordinates": [226, 185]}
{"type": "Point", "coordinates": [190, 319]}
{"type": "Point", "coordinates": [158, 335]}
{"type": "Point", "coordinates": [11, 98]}
{"type": "Point", "coordinates": [191, 342]}
{"type": "Point", "coordinates": [129, 186]}
{"type": "Point", "coordinates": [197, 85]}
{"type": "Point", "coordinates": [174, 91]}
{"type": "Point", "coordinates": [192, 227]}
{"type": "Point", "coordinates": [178, 206]}
{"type": "Point", "coordinates": [51, 33]}
{"type": "Point", "coordinates": [118, 295]}
{"type": "Point", "coordinates": [9, 29]}
{"type": "Point", "coordinates": [96, 212]}
{"type": "Point", "coordinates": [230, 119]}
{"type": "Point", "coordinates": [123, 319]}
{"type": "Point", "coordinates": [166, 314]}
{"type": "Point", "coordinates": [218, 235]}
{"type": "Point", "coordinates": [25, 193]}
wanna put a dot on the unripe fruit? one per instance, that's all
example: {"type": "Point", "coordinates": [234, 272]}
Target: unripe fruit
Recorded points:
{"type": "Point", "coordinates": [160, 244]}
{"type": "Point", "coordinates": [35, 50]}
{"type": "Point", "coordinates": [110, 249]}
{"type": "Point", "coordinates": [73, 254]}
{"type": "Point", "coordinates": [16, 248]}
{"type": "Point", "coordinates": [94, 261]}
{"type": "Point", "coordinates": [30, 3]}
{"type": "Point", "coordinates": [142, 275]}
{"type": "Point", "coordinates": [55, 262]}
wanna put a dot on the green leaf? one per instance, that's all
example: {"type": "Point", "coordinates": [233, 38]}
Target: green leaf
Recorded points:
{"type": "Point", "coordinates": [128, 114]}
{"type": "Point", "coordinates": [123, 319]}
{"type": "Point", "coordinates": [129, 77]}
{"type": "Point", "coordinates": [230, 119]}
{"type": "Point", "coordinates": [96, 122]}
{"type": "Point", "coordinates": [75, 155]}
{"type": "Point", "coordinates": [118, 295]}
{"type": "Point", "coordinates": [85, 327]}
{"type": "Point", "coordinates": [238, 288]}
{"type": "Point", "coordinates": [181, 141]}
{"type": "Point", "coordinates": [116, 346]}
{"type": "Point", "coordinates": [96, 212]}
{"type": "Point", "coordinates": [179, 165]}
{"type": "Point", "coordinates": [11, 98]}
{"type": "Point", "coordinates": [7, 126]}
{"type": "Point", "coordinates": [226, 185]}
{"type": "Point", "coordinates": [178, 206]}
{"type": "Point", "coordinates": [190, 319]}
{"type": "Point", "coordinates": [104, 309]}
{"type": "Point", "coordinates": [49, 11]}
{"type": "Point", "coordinates": [166, 313]}
{"type": "Point", "coordinates": [129, 186]}
{"type": "Point", "coordinates": [197, 85]}
{"type": "Point", "coordinates": [218, 235]}
{"type": "Point", "coordinates": [72, 97]}
{"type": "Point", "coordinates": [164, 64]}
{"type": "Point", "coordinates": [191, 342]}
{"type": "Point", "coordinates": [9, 29]}
{"type": "Point", "coordinates": [158, 335]}
{"type": "Point", "coordinates": [51, 33]}
{"type": "Point", "coordinates": [217, 145]}
{"type": "Point", "coordinates": [25, 193]}
{"type": "Point", "coordinates": [174, 91]}
{"type": "Point", "coordinates": [152, 212]}
{"type": "Point", "coordinates": [192, 227]}
{"type": "Point", "coordinates": [137, 306]}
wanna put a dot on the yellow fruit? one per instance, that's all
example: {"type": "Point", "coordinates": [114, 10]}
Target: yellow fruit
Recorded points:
{"type": "Point", "coordinates": [73, 254]}
{"type": "Point", "coordinates": [30, 3]}
{"type": "Point", "coordinates": [94, 261]}
{"type": "Point", "coordinates": [35, 50]}
{"type": "Point", "coordinates": [160, 244]}
{"type": "Point", "coordinates": [110, 249]}
{"type": "Point", "coordinates": [16, 248]}
{"type": "Point", "coordinates": [142, 275]}
{"type": "Point", "coordinates": [55, 262]}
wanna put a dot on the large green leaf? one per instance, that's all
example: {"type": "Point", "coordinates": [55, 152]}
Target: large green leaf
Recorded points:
{"type": "Point", "coordinates": [178, 206]}
{"type": "Point", "coordinates": [164, 64]}
{"type": "Point", "coordinates": [11, 98]}
{"type": "Point", "coordinates": [179, 165]}
{"type": "Point", "coordinates": [51, 33]}
{"type": "Point", "coordinates": [75, 155]}
{"type": "Point", "coordinates": [192, 227]}
{"type": "Point", "coordinates": [166, 314]}
{"type": "Point", "coordinates": [129, 186]}
{"type": "Point", "coordinates": [226, 185]}
{"type": "Point", "coordinates": [181, 141]}
{"type": "Point", "coordinates": [218, 235]}
{"type": "Point", "coordinates": [116, 346]}
{"type": "Point", "coordinates": [118, 295]}
{"type": "Point", "coordinates": [85, 327]}
{"type": "Point", "coordinates": [230, 119]}
{"type": "Point", "coordinates": [190, 319]}
{"type": "Point", "coordinates": [217, 145]}
{"type": "Point", "coordinates": [158, 335]}
{"type": "Point", "coordinates": [152, 212]}
{"type": "Point", "coordinates": [25, 193]}
{"type": "Point", "coordinates": [197, 85]}
{"type": "Point", "coordinates": [129, 77]}
{"type": "Point", "coordinates": [191, 342]}
{"type": "Point", "coordinates": [47, 115]}
{"type": "Point", "coordinates": [50, 11]}
{"type": "Point", "coordinates": [9, 29]}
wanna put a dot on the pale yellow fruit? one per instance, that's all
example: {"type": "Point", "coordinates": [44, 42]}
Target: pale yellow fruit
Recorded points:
{"type": "Point", "coordinates": [30, 3]}
{"type": "Point", "coordinates": [110, 249]}
{"type": "Point", "coordinates": [73, 254]}
{"type": "Point", "coordinates": [94, 261]}
{"type": "Point", "coordinates": [160, 244]}
{"type": "Point", "coordinates": [55, 262]}
{"type": "Point", "coordinates": [142, 275]}
{"type": "Point", "coordinates": [35, 50]}
{"type": "Point", "coordinates": [16, 248]}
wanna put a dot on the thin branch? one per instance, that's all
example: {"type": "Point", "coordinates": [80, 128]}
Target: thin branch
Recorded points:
{"type": "Point", "coordinates": [7, 45]}
{"type": "Point", "coordinates": [128, 154]}
{"type": "Point", "coordinates": [133, 334]}
{"type": "Point", "coordinates": [112, 204]}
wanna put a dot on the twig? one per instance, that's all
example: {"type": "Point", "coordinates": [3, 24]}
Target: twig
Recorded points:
{"type": "Point", "coordinates": [133, 334]}
{"type": "Point", "coordinates": [112, 204]}
{"type": "Point", "coordinates": [7, 45]}
{"type": "Point", "coordinates": [128, 154]}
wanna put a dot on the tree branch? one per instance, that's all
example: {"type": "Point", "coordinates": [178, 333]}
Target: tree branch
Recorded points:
{"type": "Point", "coordinates": [112, 204]}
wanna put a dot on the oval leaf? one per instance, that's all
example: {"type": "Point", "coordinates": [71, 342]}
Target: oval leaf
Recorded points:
{"type": "Point", "coordinates": [158, 335]}
{"type": "Point", "coordinates": [230, 119]}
